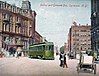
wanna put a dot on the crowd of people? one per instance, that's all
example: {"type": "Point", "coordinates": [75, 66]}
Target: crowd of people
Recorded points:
{"type": "Point", "coordinates": [13, 51]}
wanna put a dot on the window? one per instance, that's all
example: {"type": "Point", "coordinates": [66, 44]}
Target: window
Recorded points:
{"type": "Point", "coordinates": [4, 5]}
{"type": "Point", "coordinates": [83, 30]}
{"type": "Point", "coordinates": [17, 18]}
{"type": "Point", "coordinates": [14, 9]}
{"type": "Point", "coordinates": [89, 44]}
{"type": "Point", "coordinates": [39, 48]}
{"type": "Point", "coordinates": [15, 29]}
{"type": "Point", "coordinates": [89, 35]}
{"type": "Point", "coordinates": [77, 48]}
{"type": "Point", "coordinates": [11, 18]}
{"type": "Point", "coordinates": [43, 47]}
{"type": "Point", "coordinates": [74, 44]}
{"type": "Point", "coordinates": [77, 39]}
{"type": "Point", "coordinates": [89, 40]}
{"type": "Point", "coordinates": [5, 27]}
{"type": "Point", "coordinates": [20, 11]}
{"type": "Point", "coordinates": [4, 15]}
{"type": "Point", "coordinates": [50, 48]}
{"type": "Point", "coordinates": [89, 48]}
{"type": "Point", "coordinates": [8, 6]}
{"type": "Point", "coordinates": [29, 30]}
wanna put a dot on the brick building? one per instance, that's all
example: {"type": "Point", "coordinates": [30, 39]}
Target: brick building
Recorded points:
{"type": "Point", "coordinates": [79, 38]}
{"type": "Point", "coordinates": [38, 38]}
{"type": "Point", "coordinates": [17, 25]}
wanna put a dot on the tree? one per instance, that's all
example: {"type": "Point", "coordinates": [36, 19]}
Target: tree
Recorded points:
{"type": "Point", "coordinates": [62, 49]}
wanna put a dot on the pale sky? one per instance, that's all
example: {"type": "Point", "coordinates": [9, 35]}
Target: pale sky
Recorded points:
{"type": "Point", "coordinates": [55, 17]}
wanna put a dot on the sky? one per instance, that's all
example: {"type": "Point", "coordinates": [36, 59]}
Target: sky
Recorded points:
{"type": "Point", "coordinates": [55, 17]}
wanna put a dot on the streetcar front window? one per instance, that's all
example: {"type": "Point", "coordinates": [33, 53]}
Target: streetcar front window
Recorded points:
{"type": "Point", "coordinates": [51, 48]}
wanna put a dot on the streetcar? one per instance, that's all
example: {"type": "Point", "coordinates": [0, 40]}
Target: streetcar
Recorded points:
{"type": "Point", "coordinates": [44, 50]}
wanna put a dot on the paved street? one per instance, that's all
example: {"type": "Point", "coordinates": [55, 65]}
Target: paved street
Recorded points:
{"type": "Point", "coordinates": [35, 67]}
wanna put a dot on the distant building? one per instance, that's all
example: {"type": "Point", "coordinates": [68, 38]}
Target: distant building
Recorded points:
{"type": "Point", "coordinates": [17, 25]}
{"type": "Point", "coordinates": [95, 25]}
{"type": "Point", "coordinates": [79, 38]}
{"type": "Point", "coordinates": [38, 38]}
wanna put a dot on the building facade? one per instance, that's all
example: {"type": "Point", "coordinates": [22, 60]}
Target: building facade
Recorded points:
{"type": "Point", "coordinates": [79, 38]}
{"type": "Point", "coordinates": [95, 25]}
{"type": "Point", "coordinates": [17, 25]}
{"type": "Point", "coordinates": [38, 37]}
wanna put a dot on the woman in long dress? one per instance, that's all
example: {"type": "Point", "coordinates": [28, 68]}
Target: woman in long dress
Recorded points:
{"type": "Point", "coordinates": [19, 50]}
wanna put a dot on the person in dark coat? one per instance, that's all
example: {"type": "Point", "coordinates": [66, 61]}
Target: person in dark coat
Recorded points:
{"type": "Point", "coordinates": [65, 63]}
{"type": "Point", "coordinates": [61, 59]}
{"type": "Point", "coordinates": [19, 51]}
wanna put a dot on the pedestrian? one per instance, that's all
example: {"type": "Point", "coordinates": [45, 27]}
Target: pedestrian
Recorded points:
{"type": "Point", "coordinates": [61, 59]}
{"type": "Point", "coordinates": [18, 55]}
{"type": "Point", "coordinates": [19, 51]}
{"type": "Point", "coordinates": [10, 51]}
{"type": "Point", "coordinates": [14, 51]}
{"type": "Point", "coordinates": [94, 56]}
{"type": "Point", "coordinates": [60, 56]}
{"type": "Point", "coordinates": [65, 62]}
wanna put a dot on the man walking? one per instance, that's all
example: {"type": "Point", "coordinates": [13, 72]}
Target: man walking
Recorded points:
{"type": "Point", "coordinates": [65, 63]}
{"type": "Point", "coordinates": [61, 59]}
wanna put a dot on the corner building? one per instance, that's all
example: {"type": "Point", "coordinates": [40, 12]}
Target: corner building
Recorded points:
{"type": "Point", "coordinates": [17, 25]}
{"type": "Point", "coordinates": [79, 38]}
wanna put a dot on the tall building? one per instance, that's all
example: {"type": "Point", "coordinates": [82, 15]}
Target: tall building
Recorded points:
{"type": "Point", "coordinates": [79, 38]}
{"type": "Point", "coordinates": [17, 25]}
{"type": "Point", "coordinates": [95, 25]}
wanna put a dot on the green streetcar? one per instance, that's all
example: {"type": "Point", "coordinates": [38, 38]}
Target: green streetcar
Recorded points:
{"type": "Point", "coordinates": [43, 50]}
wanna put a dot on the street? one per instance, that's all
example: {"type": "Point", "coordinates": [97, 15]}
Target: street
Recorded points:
{"type": "Point", "coordinates": [35, 67]}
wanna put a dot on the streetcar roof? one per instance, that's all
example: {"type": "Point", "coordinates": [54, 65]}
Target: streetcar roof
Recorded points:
{"type": "Point", "coordinates": [41, 44]}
